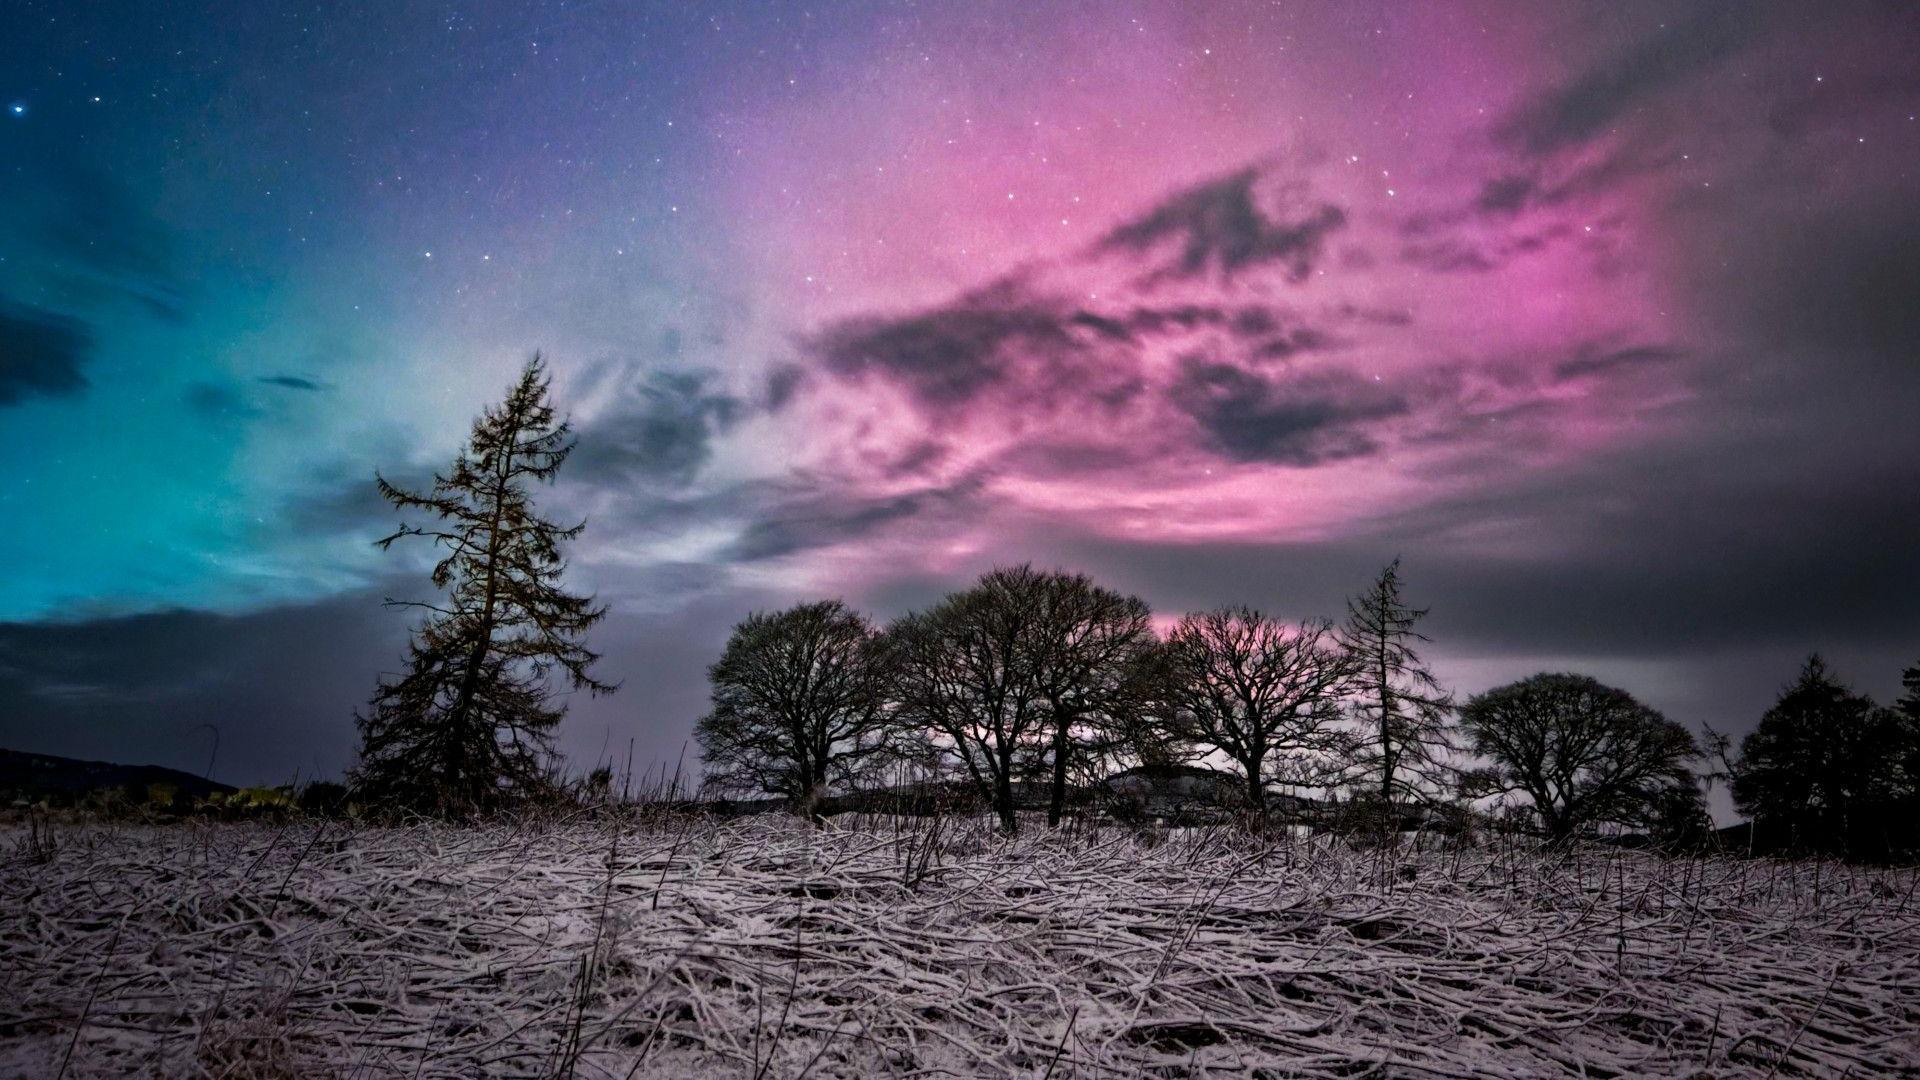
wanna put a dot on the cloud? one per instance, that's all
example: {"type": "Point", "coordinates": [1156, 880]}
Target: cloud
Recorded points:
{"type": "Point", "coordinates": [42, 354]}
{"type": "Point", "coordinates": [830, 517]}
{"type": "Point", "coordinates": [660, 428]}
{"type": "Point", "coordinates": [1111, 385]}
{"type": "Point", "coordinates": [291, 382]}
{"type": "Point", "coordinates": [218, 402]}
{"type": "Point", "coordinates": [1840, 280]}
{"type": "Point", "coordinates": [1577, 111]}
{"type": "Point", "coordinates": [1505, 194]}
{"type": "Point", "coordinates": [108, 245]}
{"type": "Point", "coordinates": [1219, 226]}
{"type": "Point", "coordinates": [949, 355]}
{"type": "Point", "coordinates": [1595, 360]}
{"type": "Point", "coordinates": [1299, 420]}
{"type": "Point", "coordinates": [782, 384]}
{"type": "Point", "coordinates": [281, 684]}
{"type": "Point", "coordinates": [143, 689]}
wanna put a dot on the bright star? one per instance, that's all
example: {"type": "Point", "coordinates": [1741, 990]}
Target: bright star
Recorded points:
{"type": "Point", "coordinates": [18, 108]}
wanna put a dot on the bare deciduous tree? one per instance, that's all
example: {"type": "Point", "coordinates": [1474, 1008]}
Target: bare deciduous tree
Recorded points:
{"type": "Point", "coordinates": [968, 674]}
{"type": "Point", "coordinates": [1090, 648]}
{"type": "Point", "coordinates": [1584, 752]}
{"type": "Point", "coordinates": [470, 722]}
{"type": "Point", "coordinates": [1262, 692]}
{"type": "Point", "coordinates": [799, 703]}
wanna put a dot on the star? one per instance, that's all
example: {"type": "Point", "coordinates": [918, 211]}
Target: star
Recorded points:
{"type": "Point", "coordinates": [18, 108]}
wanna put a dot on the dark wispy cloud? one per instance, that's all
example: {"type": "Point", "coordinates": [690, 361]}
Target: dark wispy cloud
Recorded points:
{"type": "Point", "coordinates": [219, 402]}
{"type": "Point", "coordinates": [828, 518]}
{"type": "Point", "coordinates": [1634, 78]}
{"type": "Point", "coordinates": [1300, 420]}
{"type": "Point", "coordinates": [1220, 226]}
{"type": "Point", "coordinates": [1505, 194]}
{"type": "Point", "coordinates": [291, 382]}
{"type": "Point", "coordinates": [42, 354]}
{"type": "Point", "coordinates": [107, 244]}
{"type": "Point", "coordinates": [661, 428]}
{"type": "Point", "coordinates": [951, 354]}
{"type": "Point", "coordinates": [782, 383]}
{"type": "Point", "coordinates": [1591, 360]}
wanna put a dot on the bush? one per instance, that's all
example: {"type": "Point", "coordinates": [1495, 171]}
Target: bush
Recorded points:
{"type": "Point", "coordinates": [323, 798]}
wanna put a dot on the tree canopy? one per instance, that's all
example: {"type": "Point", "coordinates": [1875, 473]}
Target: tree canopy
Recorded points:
{"type": "Point", "coordinates": [1583, 752]}
{"type": "Point", "coordinates": [800, 702]}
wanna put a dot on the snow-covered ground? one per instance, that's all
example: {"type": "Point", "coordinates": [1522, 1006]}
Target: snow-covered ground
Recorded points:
{"type": "Point", "coordinates": [679, 947]}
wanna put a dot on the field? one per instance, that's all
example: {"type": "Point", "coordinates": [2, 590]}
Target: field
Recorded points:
{"type": "Point", "coordinates": [658, 945]}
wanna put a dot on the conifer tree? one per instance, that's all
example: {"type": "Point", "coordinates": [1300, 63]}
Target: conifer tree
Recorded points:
{"type": "Point", "coordinates": [469, 724]}
{"type": "Point", "coordinates": [1401, 710]}
{"type": "Point", "coordinates": [1909, 702]}
{"type": "Point", "coordinates": [1823, 768]}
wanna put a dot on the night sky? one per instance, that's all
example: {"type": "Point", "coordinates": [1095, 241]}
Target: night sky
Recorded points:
{"type": "Point", "coordinates": [1606, 318]}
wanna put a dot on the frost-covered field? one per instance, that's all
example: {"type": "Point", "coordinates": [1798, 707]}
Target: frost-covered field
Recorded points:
{"type": "Point", "coordinates": [680, 947]}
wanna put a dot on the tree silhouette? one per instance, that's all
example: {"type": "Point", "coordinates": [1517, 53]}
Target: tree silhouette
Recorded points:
{"type": "Point", "coordinates": [1263, 693]}
{"type": "Point", "coordinates": [1401, 710]}
{"type": "Point", "coordinates": [469, 724]}
{"type": "Point", "coordinates": [1826, 770]}
{"type": "Point", "coordinates": [799, 702]}
{"type": "Point", "coordinates": [969, 675]}
{"type": "Point", "coordinates": [1584, 752]}
{"type": "Point", "coordinates": [1090, 647]}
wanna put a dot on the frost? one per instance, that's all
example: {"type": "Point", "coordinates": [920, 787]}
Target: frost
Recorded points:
{"type": "Point", "coordinates": [669, 946]}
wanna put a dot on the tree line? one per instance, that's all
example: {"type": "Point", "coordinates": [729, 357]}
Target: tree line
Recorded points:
{"type": "Point", "coordinates": [1049, 680]}
{"type": "Point", "coordinates": [1034, 679]}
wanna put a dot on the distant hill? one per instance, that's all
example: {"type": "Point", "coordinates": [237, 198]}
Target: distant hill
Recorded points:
{"type": "Point", "coordinates": [44, 776]}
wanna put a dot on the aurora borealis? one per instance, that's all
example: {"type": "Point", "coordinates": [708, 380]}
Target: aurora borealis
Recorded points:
{"type": "Point", "coordinates": [1605, 317]}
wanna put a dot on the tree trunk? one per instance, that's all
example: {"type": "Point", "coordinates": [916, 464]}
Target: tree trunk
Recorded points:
{"type": "Point", "coordinates": [483, 640]}
{"type": "Point", "coordinates": [1386, 729]}
{"type": "Point", "coordinates": [1003, 799]}
{"type": "Point", "coordinates": [1056, 806]}
{"type": "Point", "coordinates": [806, 805]}
{"type": "Point", "coordinates": [1559, 825]}
{"type": "Point", "coordinates": [1256, 795]}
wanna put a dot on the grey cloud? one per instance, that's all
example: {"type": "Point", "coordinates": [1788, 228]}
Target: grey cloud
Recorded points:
{"type": "Point", "coordinates": [1840, 281]}
{"type": "Point", "coordinates": [281, 685]}
{"type": "Point", "coordinates": [1298, 420]}
{"type": "Point", "coordinates": [1220, 226]}
{"type": "Point", "coordinates": [291, 382]}
{"type": "Point", "coordinates": [661, 429]}
{"type": "Point", "coordinates": [949, 355]}
{"type": "Point", "coordinates": [783, 384]}
{"type": "Point", "coordinates": [216, 401]}
{"type": "Point", "coordinates": [1505, 194]}
{"type": "Point", "coordinates": [823, 519]}
{"type": "Point", "coordinates": [113, 246]}
{"type": "Point", "coordinates": [1597, 360]}
{"type": "Point", "coordinates": [1581, 109]}
{"type": "Point", "coordinates": [42, 354]}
